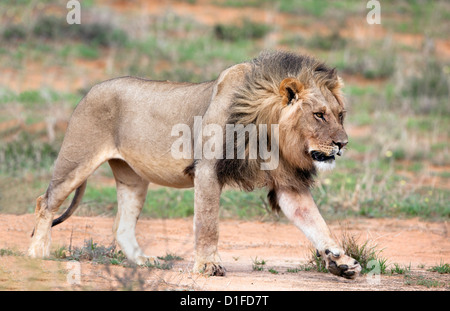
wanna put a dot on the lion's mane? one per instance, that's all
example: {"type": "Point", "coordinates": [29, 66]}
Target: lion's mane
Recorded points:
{"type": "Point", "coordinates": [259, 101]}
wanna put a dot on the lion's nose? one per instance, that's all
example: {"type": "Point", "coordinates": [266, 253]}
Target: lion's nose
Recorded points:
{"type": "Point", "coordinates": [340, 144]}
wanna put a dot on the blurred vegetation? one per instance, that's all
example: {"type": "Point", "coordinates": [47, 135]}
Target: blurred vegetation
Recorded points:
{"type": "Point", "coordinates": [397, 90]}
{"type": "Point", "coordinates": [248, 30]}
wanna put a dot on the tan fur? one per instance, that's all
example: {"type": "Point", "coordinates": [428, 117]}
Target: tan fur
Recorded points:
{"type": "Point", "coordinates": [128, 121]}
{"type": "Point", "coordinates": [286, 89]}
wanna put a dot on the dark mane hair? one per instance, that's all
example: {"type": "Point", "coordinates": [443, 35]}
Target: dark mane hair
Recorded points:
{"type": "Point", "coordinates": [258, 101]}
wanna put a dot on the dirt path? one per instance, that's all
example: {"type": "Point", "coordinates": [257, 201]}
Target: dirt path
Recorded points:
{"type": "Point", "coordinates": [411, 242]}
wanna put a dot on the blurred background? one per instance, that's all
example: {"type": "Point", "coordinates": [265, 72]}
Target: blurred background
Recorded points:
{"type": "Point", "coordinates": [397, 81]}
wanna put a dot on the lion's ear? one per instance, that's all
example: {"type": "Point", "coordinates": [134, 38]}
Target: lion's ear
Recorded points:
{"type": "Point", "coordinates": [290, 89]}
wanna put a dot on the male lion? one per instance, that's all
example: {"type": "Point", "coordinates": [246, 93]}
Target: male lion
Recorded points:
{"type": "Point", "coordinates": [127, 122]}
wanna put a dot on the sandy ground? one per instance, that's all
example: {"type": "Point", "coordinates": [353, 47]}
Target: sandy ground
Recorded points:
{"type": "Point", "coordinates": [412, 242]}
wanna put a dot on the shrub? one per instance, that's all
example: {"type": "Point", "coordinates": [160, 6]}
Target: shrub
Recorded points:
{"type": "Point", "coordinates": [248, 30]}
{"type": "Point", "coordinates": [25, 153]}
{"type": "Point", "coordinates": [328, 42]}
{"type": "Point", "coordinates": [101, 34]}
{"type": "Point", "coordinates": [50, 27]}
{"type": "Point", "coordinates": [14, 32]}
{"type": "Point", "coordinates": [432, 81]}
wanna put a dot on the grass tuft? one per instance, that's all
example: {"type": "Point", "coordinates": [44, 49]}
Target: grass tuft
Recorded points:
{"type": "Point", "coordinates": [363, 253]}
{"type": "Point", "coordinates": [91, 251]}
{"type": "Point", "coordinates": [397, 269]}
{"type": "Point", "coordinates": [258, 265]}
{"type": "Point", "coordinates": [9, 252]}
{"type": "Point", "coordinates": [442, 268]}
{"type": "Point", "coordinates": [99, 254]}
{"type": "Point", "coordinates": [368, 256]}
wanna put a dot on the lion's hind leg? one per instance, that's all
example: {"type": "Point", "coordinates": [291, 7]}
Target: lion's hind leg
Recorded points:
{"type": "Point", "coordinates": [41, 248]}
{"type": "Point", "coordinates": [46, 207]}
{"type": "Point", "coordinates": [68, 176]}
{"type": "Point", "coordinates": [131, 194]}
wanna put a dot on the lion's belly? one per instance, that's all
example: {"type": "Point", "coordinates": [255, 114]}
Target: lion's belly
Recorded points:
{"type": "Point", "coordinates": [162, 171]}
{"type": "Point", "coordinates": [146, 145]}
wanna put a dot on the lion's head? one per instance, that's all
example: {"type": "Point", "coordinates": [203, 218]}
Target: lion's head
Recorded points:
{"type": "Point", "coordinates": [311, 123]}
{"type": "Point", "coordinates": [302, 96]}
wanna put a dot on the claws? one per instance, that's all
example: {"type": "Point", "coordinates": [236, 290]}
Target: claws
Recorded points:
{"type": "Point", "coordinates": [212, 269]}
{"type": "Point", "coordinates": [339, 264]}
{"type": "Point", "coordinates": [341, 270]}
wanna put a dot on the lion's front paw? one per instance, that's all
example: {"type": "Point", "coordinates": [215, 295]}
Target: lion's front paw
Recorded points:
{"type": "Point", "coordinates": [340, 264]}
{"type": "Point", "coordinates": [211, 269]}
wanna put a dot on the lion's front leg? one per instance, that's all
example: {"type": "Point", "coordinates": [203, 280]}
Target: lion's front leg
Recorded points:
{"type": "Point", "coordinates": [206, 221]}
{"type": "Point", "coordinates": [301, 209]}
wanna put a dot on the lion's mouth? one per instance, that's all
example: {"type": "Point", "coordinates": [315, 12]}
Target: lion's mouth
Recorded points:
{"type": "Point", "coordinates": [320, 156]}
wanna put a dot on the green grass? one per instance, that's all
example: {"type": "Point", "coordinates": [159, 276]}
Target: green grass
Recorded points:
{"type": "Point", "coordinates": [423, 281]}
{"type": "Point", "coordinates": [316, 8]}
{"type": "Point", "coordinates": [56, 28]}
{"type": "Point", "coordinates": [434, 206]}
{"type": "Point", "coordinates": [26, 154]}
{"type": "Point", "coordinates": [339, 195]}
{"type": "Point", "coordinates": [165, 203]}
{"type": "Point", "coordinates": [398, 269]}
{"type": "Point", "coordinates": [332, 199]}
{"type": "Point", "coordinates": [174, 203]}
{"type": "Point", "coordinates": [88, 52]}
{"type": "Point", "coordinates": [247, 31]}
{"type": "Point", "coordinates": [60, 252]}
{"type": "Point", "coordinates": [34, 99]}
{"type": "Point", "coordinates": [373, 62]}
{"type": "Point", "coordinates": [305, 267]}
{"type": "Point", "coordinates": [367, 255]}
{"type": "Point", "coordinates": [328, 42]}
{"type": "Point", "coordinates": [442, 268]}
{"type": "Point", "coordinates": [273, 271]}
{"type": "Point", "coordinates": [14, 32]}
{"type": "Point", "coordinates": [9, 252]}
{"type": "Point", "coordinates": [258, 265]}
{"type": "Point", "coordinates": [317, 262]}
{"type": "Point", "coordinates": [192, 59]}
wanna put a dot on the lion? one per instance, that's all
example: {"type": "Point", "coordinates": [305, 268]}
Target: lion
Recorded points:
{"type": "Point", "coordinates": [127, 121]}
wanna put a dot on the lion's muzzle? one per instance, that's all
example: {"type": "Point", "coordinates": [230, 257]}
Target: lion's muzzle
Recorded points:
{"type": "Point", "coordinates": [321, 156]}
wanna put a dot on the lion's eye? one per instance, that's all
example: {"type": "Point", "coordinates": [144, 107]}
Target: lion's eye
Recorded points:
{"type": "Point", "coordinates": [319, 115]}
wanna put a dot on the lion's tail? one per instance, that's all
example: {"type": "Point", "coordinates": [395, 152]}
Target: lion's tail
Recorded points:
{"type": "Point", "coordinates": [73, 205]}
{"type": "Point", "coordinates": [79, 192]}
